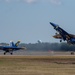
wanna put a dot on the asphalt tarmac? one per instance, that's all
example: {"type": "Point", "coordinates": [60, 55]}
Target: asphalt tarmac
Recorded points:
{"type": "Point", "coordinates": [37, 53]}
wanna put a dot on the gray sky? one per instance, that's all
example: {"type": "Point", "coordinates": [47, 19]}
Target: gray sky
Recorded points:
{"type": "Point", "coordinates": [28, 20]}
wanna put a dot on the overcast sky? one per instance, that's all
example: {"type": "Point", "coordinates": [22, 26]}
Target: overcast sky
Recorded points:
{"type": "Point", "coordinates": [28, 20]}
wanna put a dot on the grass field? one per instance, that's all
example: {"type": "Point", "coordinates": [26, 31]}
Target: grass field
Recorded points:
{"type": "Point", "coordinates": [37, 65]}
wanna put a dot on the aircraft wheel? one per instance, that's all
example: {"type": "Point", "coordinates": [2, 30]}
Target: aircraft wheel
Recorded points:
{"type": "Point", "coordinates": [60, 40]}
{"type": "Point", "coordinates": [56, 33]}
{"type": "Point", "coordinates": [4, 53]}
{"type": "Point", "coordinates": [11, 53]}
{"type": "Point", "coordinates": [72, 53]}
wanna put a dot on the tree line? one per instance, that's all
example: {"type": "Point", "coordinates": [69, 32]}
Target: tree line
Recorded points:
{"type": "Point", "coordinates": [46, 46]}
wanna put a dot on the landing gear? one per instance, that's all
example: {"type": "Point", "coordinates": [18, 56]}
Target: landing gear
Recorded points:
{"type": "Point", "coordinates": [56, 33]}
{"type": "Point", "coordinates": [4, 53]}
{"type": "Point", "coordinates": [72, 53]}
{"type": "Point", "coordinates": [11, 53]}
{"type": "Point", "coordinates": [60, 40]}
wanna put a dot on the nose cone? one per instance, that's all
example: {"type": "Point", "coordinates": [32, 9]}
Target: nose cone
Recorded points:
{"type": "Point", "coordinates": [54, 25]}
{"type": "Point", "coordinates": [51, 23]}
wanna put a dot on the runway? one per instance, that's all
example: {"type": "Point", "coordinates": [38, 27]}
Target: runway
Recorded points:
{"type": "Point", "coordinates": [37, 63]}
{"type": "Point", "coordinates": [36, 53]}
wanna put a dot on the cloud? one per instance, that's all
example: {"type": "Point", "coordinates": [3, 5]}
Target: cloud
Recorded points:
{"type": "Point", "coordinates": [55, 2]}
{"type": "Point", "coordinates": [26, 1]}
{"type": "Point", "coordinates": [7, 0]}
{"type": "Point", "coordinates": [31, 1]}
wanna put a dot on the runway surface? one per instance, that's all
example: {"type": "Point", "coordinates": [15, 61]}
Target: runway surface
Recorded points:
{"type": "Point", "coordinates": [36, 53]}
{"type": "Point", "coordinates": [37, 63]}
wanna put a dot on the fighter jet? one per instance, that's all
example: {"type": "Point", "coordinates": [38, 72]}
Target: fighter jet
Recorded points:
{"type": "Point", "coordinates": [12, 47]}
{"type": "Point", "coordinates": [63, 35]}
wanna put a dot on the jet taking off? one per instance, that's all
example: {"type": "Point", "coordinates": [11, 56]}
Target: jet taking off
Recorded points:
{"type": "Point", "coordinates": [63, 35]}
{"type": "Point", "coordinates": [12, 47]}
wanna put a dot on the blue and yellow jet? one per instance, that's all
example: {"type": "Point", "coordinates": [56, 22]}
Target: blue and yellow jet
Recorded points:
{"type": "Point", "coordinates": [12, 47]}
{"type": "Point", "coordinates": [63, 35]}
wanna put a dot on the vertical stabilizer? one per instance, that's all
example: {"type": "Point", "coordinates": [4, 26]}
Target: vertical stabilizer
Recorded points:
{"type": "Point", "coordinates": [12, 43]}
{"type": "Point", "coordinates": [17, 43]}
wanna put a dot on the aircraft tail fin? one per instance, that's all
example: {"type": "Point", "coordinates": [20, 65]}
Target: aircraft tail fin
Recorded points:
{"type": "Point", "coordinates": [17, 43]}
{"type": "Point", "coordinates": [12, 43]}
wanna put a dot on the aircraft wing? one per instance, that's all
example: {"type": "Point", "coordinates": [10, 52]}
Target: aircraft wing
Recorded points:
{"type": "Point", "coordinates": [11, 48]}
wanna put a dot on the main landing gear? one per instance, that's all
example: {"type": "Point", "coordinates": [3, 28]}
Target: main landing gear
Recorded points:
{"type": "Point", "coordinates": [9, 52]}
{"type": "Point", "coordinates": [72, 53]}
{"type": "Point", "coordinates": [60, 40]}
{"type": "Point", "coordinates": [4, 53]}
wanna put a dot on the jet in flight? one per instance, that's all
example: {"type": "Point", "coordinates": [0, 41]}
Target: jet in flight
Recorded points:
{"type": "Point", "coordinates": [63, 35]}
{"type": "Point", "coordinates": [12, 47]}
